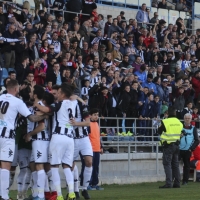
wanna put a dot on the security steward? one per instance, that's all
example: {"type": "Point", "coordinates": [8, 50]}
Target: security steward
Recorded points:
{"type": "Point", "coordinates": [170, 132]}
{"type": "Point", "coordinates": [188, 143]}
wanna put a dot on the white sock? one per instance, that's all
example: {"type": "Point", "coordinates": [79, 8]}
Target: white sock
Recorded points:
{"type": "Point", "coordinates": [86, 177]}
{"type": "Point", "coordinates": [46, 188]}
{"type": "Point", "coordinates": [69, 179]}
{"type": "Point", "coordinates": [75, 173]}
{"type": "Point", "coordinates": [34, 186]}
{"type": "Point", "coordinates": [12, 176]}
{"type": "Point", "coordinates": [56, 180]}
{"type": "Point", "coordinates": [5, 177]}
{"type": "Point", "coordinates": [49, 174]}
{"type": "Point", "coordinates": [41, 183]}
{"type": "Point", "coordinates": [27, 180]}
{"type": "Point", "coordinates": [20, 179]}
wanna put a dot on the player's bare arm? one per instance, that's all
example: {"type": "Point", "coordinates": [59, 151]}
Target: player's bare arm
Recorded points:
{"type": "Point", "coordinates": [39, 128]}
{"type": "Point", "coordinates": [84, 123]}
{"type": "Point", "coordinates": [75, 97]}
{"type": "Point", "coordinates": [37, 118]}
{"type": "Point", "coordinates": [44, 109]}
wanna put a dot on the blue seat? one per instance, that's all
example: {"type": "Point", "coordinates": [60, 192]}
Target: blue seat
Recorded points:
{"type": "Point", "coordinates": [11, 69]}
{"type": "Point", "coordinates": [4, 75]}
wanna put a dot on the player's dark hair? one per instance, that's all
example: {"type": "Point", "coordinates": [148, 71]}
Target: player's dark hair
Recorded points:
{"type": "Point", "coordinates": [67, 89]}
{"type": "Point", "coordinates": [11, 84]}
{"type": "Point", "coordinates": [39, 91]}
{"type": "Point", "coordinates": [48, 98]}
{"type": "Point", "coordinates": [11, 72]}
{"type": "Point", "coordinates": [55, 87]}
{"type": "Point", "coordinates": [93, 111]}
{"type": "Point", "coordinates": [4, 81]}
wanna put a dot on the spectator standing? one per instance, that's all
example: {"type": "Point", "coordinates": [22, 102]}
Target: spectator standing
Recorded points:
{"type": "Point", "coordinates": [22, 70]}
{"type": "Point", "coordinates": [54, 75]}
{"type": "Point", "coordinates": [154, 19]}
{"type": "Point", "coordinates": [39, 74]}
{"type": "Point", "coordinates": [162, 4]}
{"type": "Point", "coordinates": [9, 47]}
{"type": "Point", "coordinates": [188, 142]}
{"type": "Point", "coordinates": [142, 15]}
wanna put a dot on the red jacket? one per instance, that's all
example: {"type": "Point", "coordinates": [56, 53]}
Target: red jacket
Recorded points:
{"type": "Point", "coordinates": [148, 40]}
{"type": "Point", "coordinates": [37, 77]}
{"type": "Point", "coordinates": [196, 84]}
{"type": "Point", "coordinates": [196, 154]}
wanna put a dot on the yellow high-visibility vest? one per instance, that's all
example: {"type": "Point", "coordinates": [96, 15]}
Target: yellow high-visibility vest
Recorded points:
{"type": "Point", "coordinates": [173, 130]}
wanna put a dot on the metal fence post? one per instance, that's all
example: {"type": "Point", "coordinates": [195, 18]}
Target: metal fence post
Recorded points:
{"type": "Point", "coordinates": [117, 135]}
{"type": "Point", "coordinates": [129, 159]}
{"type": "Point", "coordinates": [157, 169]}
{"type": "Point", "coordinates": [152, 133]}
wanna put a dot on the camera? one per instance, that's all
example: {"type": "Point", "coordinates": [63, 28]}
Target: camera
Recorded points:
{"type": "Point", "coordinates": [183, 132]}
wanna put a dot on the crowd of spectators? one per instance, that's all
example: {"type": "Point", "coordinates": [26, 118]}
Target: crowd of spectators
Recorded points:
{"type": "Point", "coordinates": [180, 5]}
{"type": "Point", "coordinates": [125, 68]}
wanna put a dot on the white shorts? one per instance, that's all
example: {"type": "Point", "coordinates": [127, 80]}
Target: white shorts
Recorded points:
{"type": "Point", "coordinates": [61, 150]}
{"type": "Point", "coordinates": [7, 149]}
{"type": "Point", "coordinates": [24, 158]}
{"type": "Point", "coordinates": [40, 151]}
{"type": "Point", "coordinates": [15, 159]}
{"type": "Point", "coordinates": [83, 146]}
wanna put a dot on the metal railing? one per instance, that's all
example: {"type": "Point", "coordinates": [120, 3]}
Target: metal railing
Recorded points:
{"type": "Point", "coordinates": [128, 145]}
{"type": "Point", "coordinates": [138, 139]}
{"type": "Point", "coordinates": [62, 10]}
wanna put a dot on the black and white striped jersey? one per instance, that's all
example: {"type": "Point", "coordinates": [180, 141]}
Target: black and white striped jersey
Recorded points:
{"type": "Point", "coordinates": [81, 113]}
{"type": "Point", "coordinates": [64, 111]}
{"type": "Point", "coordinates": [30, 124]}
{"type": "Point", "coordinates": [43, 135]}
{"type": "Point", "coordinates": [10, 106]}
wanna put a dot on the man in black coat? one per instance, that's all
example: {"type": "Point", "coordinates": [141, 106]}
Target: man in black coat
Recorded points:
{"type": "Point", "coordinates": [9, 47]}
{"type": "Point", "coordinates": [22, 69]}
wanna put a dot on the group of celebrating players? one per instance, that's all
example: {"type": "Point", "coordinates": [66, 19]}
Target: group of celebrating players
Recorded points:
{"type": "Point", "coordinates": [39, 135]}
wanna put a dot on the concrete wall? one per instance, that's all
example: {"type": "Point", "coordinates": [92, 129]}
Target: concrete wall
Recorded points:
{"type": "Point", "coordinates": [114, 169]}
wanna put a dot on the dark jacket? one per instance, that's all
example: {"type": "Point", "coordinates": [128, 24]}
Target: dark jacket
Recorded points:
{"type": "Point", "coordinates": [124, 102]}
{"type": "Point", "coordinates": [83, 32]}
{"type": "Point", "coordinates": [51, 76]}
{"type": "Point", "coordinates": [21, 72]}
{"type": "Point", "coordinates": [148, 109]}
{"type": "Point", "coordinates": [7, 47]}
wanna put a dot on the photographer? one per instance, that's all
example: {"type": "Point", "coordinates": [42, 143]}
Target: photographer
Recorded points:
{"type": "Point", "coordinates": [188, 142]}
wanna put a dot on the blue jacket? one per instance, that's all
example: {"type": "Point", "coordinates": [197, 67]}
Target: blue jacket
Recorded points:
{"type": "Point", "coordinates": [147, 110]}
{"type": "Point", "coordinates": [156, 109]}
{"type": "Point", "coordinates": [141, 76]}
{"type": "Point", "coordinates": [150, 86]}
{"type": "Point", "coordinates": [187, 141]}
{"type": "Point", "coordinates": [163, 93]}
{"type": "Point", "coordinates": [140, 16]}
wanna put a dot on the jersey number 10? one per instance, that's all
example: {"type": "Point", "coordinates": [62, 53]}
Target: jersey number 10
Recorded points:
{"type": "Point", "coordinates": [4, 107]}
